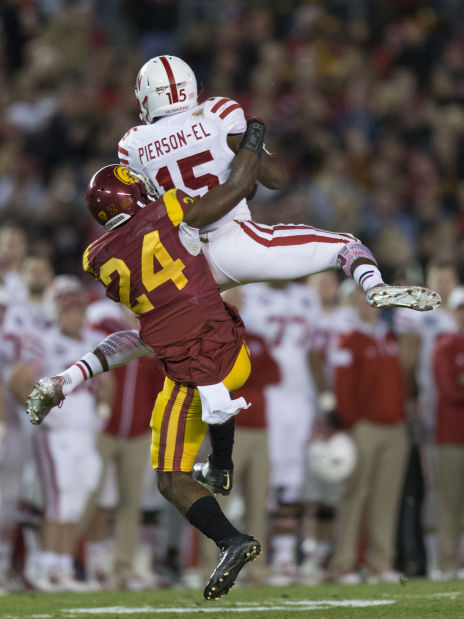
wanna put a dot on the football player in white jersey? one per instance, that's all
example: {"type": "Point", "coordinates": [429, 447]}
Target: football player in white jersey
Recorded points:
{"type": "Point", "coordinates": [282, 313]}
{"type": "Point", "coordinates": [321, 498]}
{"type": "Point", "coordinates": [188, 145]}
{"type": "Point", "coordinates": [31, 315]}
{"type": "Point", "coordinates": [12, 449]}
{"type": "Point", "coordinates": [67, 458]}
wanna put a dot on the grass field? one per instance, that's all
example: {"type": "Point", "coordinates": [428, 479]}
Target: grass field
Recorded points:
{"type": "Point", "coordinates": [422, 599]}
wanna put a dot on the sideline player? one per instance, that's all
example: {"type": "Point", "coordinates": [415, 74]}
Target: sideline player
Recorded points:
{"type": "Point", "coordinates": [282, 314]}
{"type": "Point", "coordinates": [197, 338]}
{"type": "Point", "coordinates": [65, 447]}
{"type": "Point", "coordinates": [190, 146]}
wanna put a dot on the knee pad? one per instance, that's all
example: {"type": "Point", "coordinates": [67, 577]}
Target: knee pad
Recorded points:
{"type": "Point", "coordinates": [350, 253]}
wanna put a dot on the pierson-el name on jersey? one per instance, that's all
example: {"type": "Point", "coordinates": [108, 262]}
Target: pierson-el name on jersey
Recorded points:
{"type": "Point", "coordinates": [159, 148]}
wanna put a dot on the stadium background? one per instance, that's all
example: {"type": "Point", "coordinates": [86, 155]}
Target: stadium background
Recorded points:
{"type": "Point", "coordinates": [362, 100]}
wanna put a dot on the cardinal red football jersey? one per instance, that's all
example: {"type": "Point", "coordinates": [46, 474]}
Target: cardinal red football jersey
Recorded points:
{"type": "Point", "coordinates": [145, 265]}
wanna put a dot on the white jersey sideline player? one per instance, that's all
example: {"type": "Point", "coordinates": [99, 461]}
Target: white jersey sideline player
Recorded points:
{"type": "Point", "coordinates": [65, 447]}
{"type": "Point", "coordinates": [188, 145]}
{"type": "Point", "coordinates": [282, 314]}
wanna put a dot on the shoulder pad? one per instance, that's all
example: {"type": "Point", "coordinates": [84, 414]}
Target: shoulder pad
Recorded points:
{"type": "Point", "coordinates": [124, 144]}
{"type": "Point", "coordinates": [228, 111]}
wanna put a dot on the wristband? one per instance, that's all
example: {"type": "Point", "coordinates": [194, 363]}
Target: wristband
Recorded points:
{"type": "Point", "coordinates": [254, 136]}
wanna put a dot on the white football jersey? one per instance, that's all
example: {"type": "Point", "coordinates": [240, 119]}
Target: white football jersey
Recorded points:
{"type": "Point", "coordinates": [78, 411]}
{"type": "Point", "coordinates": [283, 317]}
{"type": "Point", "coordinates": [26, 322]}
{"type": "Point", "coordinates": [188, 150]}
{"type": "Point", "coordinates": [327, 329]}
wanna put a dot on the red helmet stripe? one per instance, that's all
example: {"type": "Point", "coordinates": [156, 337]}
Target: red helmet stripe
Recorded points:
{"type": "Point", "coordinates": [123, 151]}
{"type": "Point", "coordinates": [171, 78]}
{"type": "Point", "coordinates": [217, 105]}
{"type": "Point", "coordinates": [229, 109]}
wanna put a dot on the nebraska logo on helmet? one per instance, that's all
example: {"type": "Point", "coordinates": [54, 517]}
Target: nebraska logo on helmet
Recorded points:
{"type": "Point", "coordinates": [165, 85]}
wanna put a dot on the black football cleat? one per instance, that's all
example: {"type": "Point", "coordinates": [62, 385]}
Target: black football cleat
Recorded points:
{"type": "Point", "coordinates": [219, 480]}
{"type": "Point", "coordinates": [235, 552]}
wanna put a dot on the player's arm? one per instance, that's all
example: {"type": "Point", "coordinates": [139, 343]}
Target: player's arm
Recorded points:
{"type": "Point", "coordinates": [270, 172]}
{"type": "Point", "coordinates": [219, 200]}
{"type": "Point", "coordinates": [20, 381]}
{"type": "Point", "coordinates": [115, 350]}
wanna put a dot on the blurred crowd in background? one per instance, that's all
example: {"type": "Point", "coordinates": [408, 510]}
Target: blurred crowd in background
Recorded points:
{"type": "Point", "coordinates": [363, 102]}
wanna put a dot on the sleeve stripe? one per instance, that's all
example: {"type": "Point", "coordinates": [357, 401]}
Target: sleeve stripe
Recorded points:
{"type": "Point", "coordinates": [173, 207]}
{"type": "Point", "coordinates": [217, 105]}
{"type": "Point", "coordinates": [124, 161]}
{"type": "Point", "coordinates": [123, 151]}
{"type": "Point", "coordinates": [229, 109]}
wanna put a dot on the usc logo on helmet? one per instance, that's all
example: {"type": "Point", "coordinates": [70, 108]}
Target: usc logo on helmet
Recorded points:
{"type": "Point", "coordinates": [124, 175]}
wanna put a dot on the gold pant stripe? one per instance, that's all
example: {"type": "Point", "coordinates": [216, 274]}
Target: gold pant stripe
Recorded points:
{"type": "Point", "coordinates": [177, 427]}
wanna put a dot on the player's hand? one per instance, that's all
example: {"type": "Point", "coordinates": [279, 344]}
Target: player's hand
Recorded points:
{"type": "Point", "coordinates": [328, 408]}
{"type": "Point", "coordinates": [47, 393]}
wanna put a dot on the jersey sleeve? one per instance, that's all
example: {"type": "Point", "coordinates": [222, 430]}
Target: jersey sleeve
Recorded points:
{"type": "Point", "coordinates": [88, 261]}
{"type": "Point", "coordinates": [177, 205]}
{"type": "Point", "coordinates": [125, 147]}
{"type": "Point", "coordinates": [228, 113]}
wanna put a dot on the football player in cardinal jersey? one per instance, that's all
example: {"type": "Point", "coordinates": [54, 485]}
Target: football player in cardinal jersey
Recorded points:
{"type": "Point", "coordinates": [196, 336]}
{"type": "Point", "coordinates": [188, 145]}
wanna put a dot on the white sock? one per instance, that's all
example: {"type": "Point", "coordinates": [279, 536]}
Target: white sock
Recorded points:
{"type": "Point", "coordinates": [323, 550]}
{"type": "Point", "coordinates": [283, 549]}
{"type": "Point", "coordinates": [431, 549]}
{"type": "Point", "coordinates": [367, 276]}
{"type": "Point", "coordinates": [48, 561]}
{"type": "Point", "coordinates": [65, 563]}
{"type": "Point", "coordinates": [5, 556]}
{"type": "Point", "coordinates": [95, 556]}
{"type": "Point", "coordinates": [87, 367]}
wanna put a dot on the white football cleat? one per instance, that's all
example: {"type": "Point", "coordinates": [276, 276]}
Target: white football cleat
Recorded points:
{"type": "Point", "coordinates": [417, 298]}
{"type": "Point", "coordinates": [47, 393]}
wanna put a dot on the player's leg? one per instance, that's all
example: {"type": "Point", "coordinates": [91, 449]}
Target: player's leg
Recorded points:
{"type": "Point", "coordinates": [177, 433]}
{"type": "Point", "coordinates": [217, 471]}
{"type": "Point", "coordinates": [78, 474]}
{"type": "Point", "coordinates": [130, 467]}
{"type": "Point", "coordinates": [287, 435]}
{"type": "Point", "coordinates": [243, 252]}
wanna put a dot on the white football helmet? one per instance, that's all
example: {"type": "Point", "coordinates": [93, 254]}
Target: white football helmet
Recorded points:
{"type": "Point", "coordinates": [332, 460]}
{"type": "Point", "coordinates": [165, 85]}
